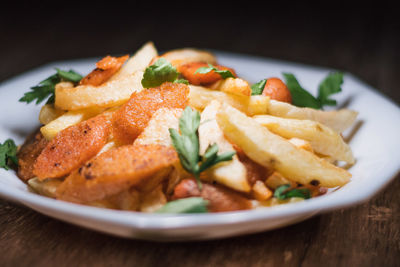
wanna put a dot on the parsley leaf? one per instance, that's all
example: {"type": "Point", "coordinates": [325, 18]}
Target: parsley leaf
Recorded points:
{"type": "Point", "coordinates": [158, 73]}
{"type": "Point", "coordinates": [329, 86]}
{"type": "Point", "coordinates": [258, 88]}
{"type": "Point", "coordinates": [300, 96]}
{"type": "Point", "coordinates": [187, 146]}
{"type": "Point", "coordinates": [8, 154]}
{"type": "Point", "coordinates": [46, 88]}
{"type": "Point", "coordinates": [182, 81]}
{"type": "Point", "coordinates": [185, 205]}
{"type": "Point", "coordinates": [282, 192]}
{"type": "Point", "coordinates": [223, 73]}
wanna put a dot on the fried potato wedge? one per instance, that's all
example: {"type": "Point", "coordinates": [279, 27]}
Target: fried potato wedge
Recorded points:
{"type": "Point", "coordinates": [337, 120]}
{"type": "Point", "coordinates": [187, 55]}
{"type": "Point", "coordinates": [231, 173]}
{"type": "Point", "coordinates": [112, 93]}
{"type": "Point", "coordinates": [132, 118]}
{"type": "Point", "coordinates": [273, 151]}
{"type": "Point", "coordinates": [152, 201]}
{"type": "Point", "coordinates": [51, 129]}
{"type": "Point", "coordinates": [323, 140]}
{"type": "Point", "coordinates": [72, 147]}
{"type": "Point", "coordinates": [116, 170]}
{"type": "Point", "coordinates": [138, 62]}
{"type": "Point", "coordinates": [200, 97]}
{"type": "Point", "coordinates": [49, 113]}
{"type": "Point", "coordinates": [157, 131]}
{"type": "Point", "coordinates": [234, 86]}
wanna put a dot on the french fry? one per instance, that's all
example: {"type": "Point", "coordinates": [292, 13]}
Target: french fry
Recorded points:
{"type": "Point", "coordinates": [233, 173]}
{"type": "Point", "coordinates": [182, 56]}
{"type": "Point", "coordinates": [157, 131]}
{"type": "Point", "coordinates": [200, 97]}
{"type": "Point", "coordinates": [138, 62]}
{"type": "Point", "coordinates": [48, 113]}
{"type": "Point", "coordinates": [275, 180]}
{"type": "Point", "coordinates": [273, 151]}
{"type": "Point", "coordinates": [111, 93]}
{"type": "Point", "coordinates": [70, 118]}
{"type": "Point", "coordinates": [337, 120]}
{"type": "Point", "coordinates": [260, 191]}
{"type": "Point", "coordinates": [323, 140]}
{"type": "Point", "coordinates": [234, 86]}
{"type": "Point", "coordinates": [300, 143]}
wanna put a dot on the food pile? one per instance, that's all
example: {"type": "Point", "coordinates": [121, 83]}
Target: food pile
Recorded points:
{"type": "Point", "coordinates": [179, 133]}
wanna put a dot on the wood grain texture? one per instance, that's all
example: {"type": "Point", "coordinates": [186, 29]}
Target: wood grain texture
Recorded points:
{"type": "Point", "coordinates": [364, 43]}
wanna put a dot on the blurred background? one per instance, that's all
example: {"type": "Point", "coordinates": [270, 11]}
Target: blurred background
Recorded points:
{"type": "Point", "coordinates": [362, 39]}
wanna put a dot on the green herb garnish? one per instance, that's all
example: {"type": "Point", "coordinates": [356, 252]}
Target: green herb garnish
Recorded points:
{"type": "Point", "coordinates": [8, 154]}
{"type": "Point", "coordinates": [223, 73]}
{"type": "Point", "coordinates": [302, 98]}
{"type": "Point", "coordinates": [46, 88]}
{"type": "Point", "coordinates": [160, 72]}
{"type": "Point", "coordinates": [185, 205]}
{"type": "Point", "coordinates": [283, 192]}
{"type": "Point", "coordinates": [187, 146]}
{"type": "Point", "coordinates": [258, 88]}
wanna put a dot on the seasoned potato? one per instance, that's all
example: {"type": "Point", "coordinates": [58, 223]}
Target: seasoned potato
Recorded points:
{"type": "Point", "coordinates": [117, 170]}
{"type": "Point", "coordinates": [322, 139]}
{"type": "Point", "coordinates": [234, 86]}
{"type": "Point", "coordinates": [112, 93]}
{"type": "Point", "coordinates": [273, 151]}
{"type": "Point", "coordinates": [152, 201]}
{"type": "Point", "coordinates": [46, 187]}
{"type": "Point", "coordinates": [48, 113]}
{"type": "Point", "coordinates": [157, 131]}
{"type": "Point", "coordinates": [337, 120]}
{"type": "Point", "coordinates": [231, 173]}
{"type": "Point", "coordinates": [200, 97]}
{"type": "Point", "coordinates": [51, 129]}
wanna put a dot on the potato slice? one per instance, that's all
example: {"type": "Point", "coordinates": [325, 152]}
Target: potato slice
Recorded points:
{"type": "Point", "coordinates": [337, 120]}
{"type": "Point", "coordinates": [138, 62]}
{"type": "Point", "coordinates": [46, 187]}
{"type": "Point", "coordinates": [200, 97]}
{"type": "Point", "coordinates": [157, 131]}
{"type": "Point", "coordinates": [323, 140]}
{"type": "Point", "coordinates": [234, 86]}
{"type": "Point", "coordinates": [273, 151]}
{"type": "Point", "coordinates": [231, 173]}
{"type": "Point", "coordinates": [51, 129]}
{"type": "Point", "coordinates": [110, 94]}
{"type": "Point", "coordinates": [48, 113]}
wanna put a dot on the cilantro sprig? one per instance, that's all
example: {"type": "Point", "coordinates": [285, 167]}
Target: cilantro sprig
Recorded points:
{"type": "Point", "coordinates": [302, 98]}
{"type": "Point", "coordinates": [8, 154]}
{"type": "Point", "coordinates": [283, 192]}
{"type": "Point", "coordinates": [187, 146]}
{"type": "Point", "coordinates": [185, 205]}
{"type": "Point", "coordinates": [258, 88]}
{"type": "Point", "coordinates": [223, 73]}
{"type": "Point", "coordinates": [160, 72]}
{"type": "Point", "coordinates": [46, 88]}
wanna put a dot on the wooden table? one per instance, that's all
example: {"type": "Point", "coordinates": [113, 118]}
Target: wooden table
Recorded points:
{"type": "Point", "coordinates": [365, 43]}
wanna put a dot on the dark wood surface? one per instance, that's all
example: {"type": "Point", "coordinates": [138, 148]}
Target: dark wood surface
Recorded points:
{"type": "Point", "coordinates": [362, 41]}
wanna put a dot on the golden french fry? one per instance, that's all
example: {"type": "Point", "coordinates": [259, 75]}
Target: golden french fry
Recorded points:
{"type": "Point", "coordinates": [48, 113]}
{"type": "Point", "coordinates": [323, 140]}
{"type": "Point", "coordinates": [156, 131]}
{"type": "Point", "coordinates": [233, 173]}
{"type": "Point", "coordinates": [300, 143]}
{"type": "Point", "coordinates": [110, 94]}
{"type": "Point", "coordinates": [138, 62]}
{"type": "Point", "coordinates": [273, 151]}
{"type": "Point", "coordinates": [70, 118]}
{"type": "Point", "coordinates": [200, 97]}
{"type": "Point", "coordinates": [234, 86]}
{"type": "Point", "coordinates": [337, 120]}
{"type": "Point", "coordinates": [275, 180]}
{"type": "Point", "coordinates": [260, 191]}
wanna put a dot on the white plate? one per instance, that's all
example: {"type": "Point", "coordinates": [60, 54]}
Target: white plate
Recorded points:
{"type": "Point", "coordinates": [376, 147]}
